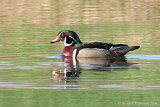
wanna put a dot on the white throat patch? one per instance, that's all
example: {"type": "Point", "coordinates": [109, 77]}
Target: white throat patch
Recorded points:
{"type": "Point", "coordinates": [66, 44]}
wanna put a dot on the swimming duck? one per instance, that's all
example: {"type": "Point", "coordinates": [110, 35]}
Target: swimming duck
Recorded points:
{"type": "Point", "coordinates": [92, 50]}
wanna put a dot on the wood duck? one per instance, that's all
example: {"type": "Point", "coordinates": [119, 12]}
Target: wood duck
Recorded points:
{"type": "Point", "coordinates": [91, 50]}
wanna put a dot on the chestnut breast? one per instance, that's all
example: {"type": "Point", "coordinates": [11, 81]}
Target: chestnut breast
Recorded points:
{"type": "Point", "coordinates": [68, 51]}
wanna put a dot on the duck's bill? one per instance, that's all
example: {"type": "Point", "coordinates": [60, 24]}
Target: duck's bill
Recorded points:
{"type": "Point", "coordinates": [55, 40]}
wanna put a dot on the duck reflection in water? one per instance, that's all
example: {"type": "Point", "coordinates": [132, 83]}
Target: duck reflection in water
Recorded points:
{"type": "Point", "coordinates": [72, 67]}
{"type": "Point", "coordinates": [70, 70]}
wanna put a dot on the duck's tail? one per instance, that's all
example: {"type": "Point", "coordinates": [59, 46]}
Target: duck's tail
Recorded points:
{"type": "Point", "coordinates": [121, 51]}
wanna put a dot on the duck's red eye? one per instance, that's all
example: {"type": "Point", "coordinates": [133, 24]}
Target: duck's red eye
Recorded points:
{"type": "Point", "coordinates": [63, 34]}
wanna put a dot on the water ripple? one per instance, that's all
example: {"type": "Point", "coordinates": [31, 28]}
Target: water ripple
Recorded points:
{"type": "Point", "coordinates": [143, 57]}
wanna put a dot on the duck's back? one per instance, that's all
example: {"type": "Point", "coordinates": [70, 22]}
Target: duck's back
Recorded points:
{"type": "Point", "coordinates": [98, 49]}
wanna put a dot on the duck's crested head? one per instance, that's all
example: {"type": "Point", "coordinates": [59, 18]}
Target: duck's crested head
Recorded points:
{"type": "Point", "coordinates": [70, 38]}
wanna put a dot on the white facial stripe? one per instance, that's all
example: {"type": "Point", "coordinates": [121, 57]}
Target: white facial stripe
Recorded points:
{"type": "Point", "coordinates": [60, 33]}
{"type": "Point", "coordinates": [74, 39]}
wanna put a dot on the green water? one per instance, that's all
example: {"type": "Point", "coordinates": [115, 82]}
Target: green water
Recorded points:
{"type": "Point", "coordinates": [32, 73]}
